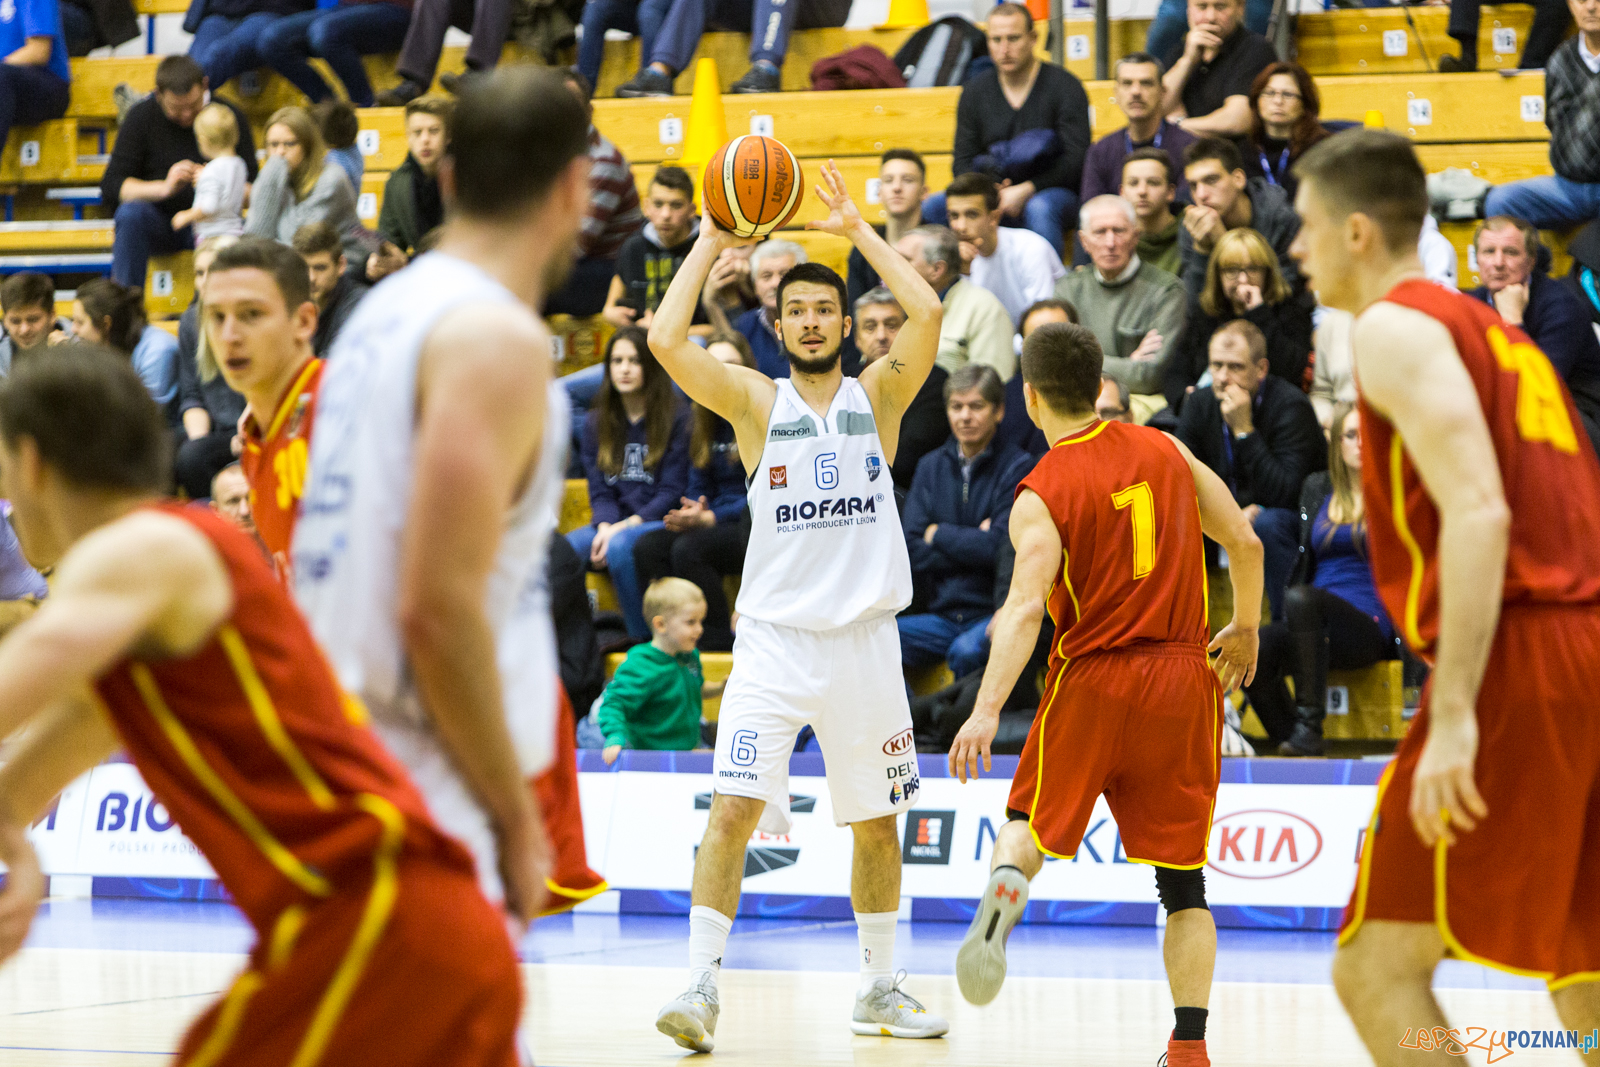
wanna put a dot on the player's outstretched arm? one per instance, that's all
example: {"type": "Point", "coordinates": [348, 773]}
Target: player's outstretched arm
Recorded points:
{"type": "Point", "coordinates": [1410, 371]}
{"type": "Point", "coordinates": [482, 386]}
{"type": "Point", "coordinates": [1016, 628]}
{"type": "Point", "coordinates": [740, 395]}
{"type": "Point", "coordinates": [1221, 519]}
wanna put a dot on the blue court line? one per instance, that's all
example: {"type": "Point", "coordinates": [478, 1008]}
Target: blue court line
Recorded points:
{"type": "Point", "coordinates": [106, 1051]}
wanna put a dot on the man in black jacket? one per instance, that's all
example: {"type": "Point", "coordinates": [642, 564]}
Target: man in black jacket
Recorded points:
{"type": "Point", "coordinates": [924, 426]}
{"type": "Point", "coordinates": [956, 517]}
{"type": "Point", "coordinates": [335, 292]}
{"type": "Point", "coordinates": [1260, 435]}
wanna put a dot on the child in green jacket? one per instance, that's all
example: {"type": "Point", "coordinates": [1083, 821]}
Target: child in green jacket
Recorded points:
{"type": "Point", "coordinates": [653, 701]}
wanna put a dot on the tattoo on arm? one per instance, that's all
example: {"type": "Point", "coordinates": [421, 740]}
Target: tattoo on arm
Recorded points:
{"type": "Point", "coordinates": [895, 365]}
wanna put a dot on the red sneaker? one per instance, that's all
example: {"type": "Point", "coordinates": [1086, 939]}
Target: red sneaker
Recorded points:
{"type": "Point", "coordinates": [1185, 1054]}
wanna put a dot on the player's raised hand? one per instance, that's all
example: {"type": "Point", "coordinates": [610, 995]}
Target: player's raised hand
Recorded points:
{"type": "Point", "coordinates": [1444, 798]}
{"type": "Point", "coordinates": [842, 212]}
{"type": "Point", "coordinates": [973, 742]}
{"type": "Point", "coordinates": [19, 902]}
{"type": "Point", "coordinates": [1237, 647]}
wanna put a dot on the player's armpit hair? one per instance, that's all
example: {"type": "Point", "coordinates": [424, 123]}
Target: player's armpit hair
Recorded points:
{"type": "Point", "coordinates": [1181, 890]}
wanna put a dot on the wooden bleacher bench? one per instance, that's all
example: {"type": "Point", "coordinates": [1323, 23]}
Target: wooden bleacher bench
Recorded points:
{"type": "Point", "coordinates": [1374, 704]}
{"type": "Point", "coordinates": [716, 666]}
{"type": "Point", "coordinates": [169, 285]}
{"type": "Point", "coordinates": [54, 153]}
{"type": "Point", "coordinates": [60, 263]}
{"type": "Point", "coordinates": [90, 235]}
{"type": "Point", "coordinates": [1379, 40]}
{"type": "Point", "coordinates": [574, 507]}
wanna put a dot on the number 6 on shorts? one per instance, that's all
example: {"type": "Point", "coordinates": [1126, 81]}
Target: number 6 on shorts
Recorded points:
{"type": "Point", "coordinates": [744, 749]}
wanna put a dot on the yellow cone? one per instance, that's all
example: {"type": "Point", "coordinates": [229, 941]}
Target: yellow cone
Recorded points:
{"type": "Point", "coordinates": [1374, 120]}
{"type": "Point", "coordinates": [906, 13]}
{"type": "Point", "coordinates": [708, 126]}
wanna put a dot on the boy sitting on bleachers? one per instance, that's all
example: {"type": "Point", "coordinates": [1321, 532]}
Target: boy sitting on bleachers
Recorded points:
{"type": "Point", "coordinates": [654, 700]}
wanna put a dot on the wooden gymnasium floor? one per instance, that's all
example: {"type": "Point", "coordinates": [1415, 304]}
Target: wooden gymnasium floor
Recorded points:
{"type": "Point", "coordinates": [112, 984]}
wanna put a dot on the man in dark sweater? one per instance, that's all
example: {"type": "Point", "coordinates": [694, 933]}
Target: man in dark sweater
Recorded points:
{"type": "Point", "coordinates": [902, 183]}
{"type": "Point", "coordinates": [1260, 435]}
{"type": "Point", "coordinates": [1208, 87]}
{"type": "Point", "coordinates": [1040, 173]}
{"type": "Point", "coordinates": [956, 517]}
{"type": "Point", "coordinates": [924, 426]}
{"type": "Point", "coordinates": [649, 259]}
{"type": "Point", "coordinates": [1548, 311]}
{"type": "Point", "coordinates": [1142, 98]}
{"type": "Point", "coordinates": [151, 173]}
{"type": "Point", "coordinates": [411, 202]}
{"type": "Point", "coordinates": [335, 292]}
{"type": "Point", "coordinates": [1572, 111]}
{"type": "Point", "coordinates": [1225, 199]}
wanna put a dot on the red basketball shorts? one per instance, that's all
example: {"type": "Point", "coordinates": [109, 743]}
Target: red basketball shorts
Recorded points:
{"type": "Point", "coordinates": [1143, 725]}
{"type": "Point", "coordinates": [1517, 892]}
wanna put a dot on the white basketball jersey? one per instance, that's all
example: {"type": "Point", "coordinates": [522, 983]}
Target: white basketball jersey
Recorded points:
{"type": "Point", "coordinates": [826, 549]}
{"type": "Point", "coordinates": [358, 491]}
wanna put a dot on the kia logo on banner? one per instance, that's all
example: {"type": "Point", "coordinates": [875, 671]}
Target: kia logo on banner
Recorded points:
{"type": "Point", "coordinates": [899, 743]}
{"type": "Point", "coordinates": [1262, 843]}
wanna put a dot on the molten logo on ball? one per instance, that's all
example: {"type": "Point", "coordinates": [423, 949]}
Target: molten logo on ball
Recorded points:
{"type": "Point", "coordinates": [752, 186]}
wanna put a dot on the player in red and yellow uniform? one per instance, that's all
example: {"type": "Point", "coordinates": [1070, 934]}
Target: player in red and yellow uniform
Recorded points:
{"type": "Point", "coordinates": [1483, 498]}
{"type": "Point", "coordinates": [275, 460]}
{"type": "Point", "coordinates": [1108, 536]}
{"type": "Point", "coordinates": [166, 634]}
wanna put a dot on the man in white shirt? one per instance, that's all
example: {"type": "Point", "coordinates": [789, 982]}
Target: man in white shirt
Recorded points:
{"type": "Point", "coordinates": [1014, 264]}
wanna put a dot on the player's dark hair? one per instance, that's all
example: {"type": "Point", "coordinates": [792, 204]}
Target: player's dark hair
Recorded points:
{"type": "Point", "coordinates": [1062, 361]}
{"type": "Point", "coordinates": [1048, 303]}
{"type": "Point", "coordinates": [1373, 172]}
{"type": "Point", "coordinates": [28, 289]}
{"type": "Point", "coordinates": [91, 419]}
{"type": "Point", "coordinates": [178, 74]}
{"type": "Point", "coordinates": [289, 271]}
{"type": "Point", "coordinates": [1151, 155]}
{"type": "Point", "coordinates": [907, 154]}
{"type": "Point", "coordinates": [1220, 149]}
{"type": "Point", "coordinates": [975, 183]}
{"type": "Point", "coordinates": [611, 419]}
{"type": "Point", "coordinates": [514, 134]}
{"type": "Point", "coordinates": [816, 274]}
{"type": "Point", "coordinates": [116, 310]}
{"type": "Point", "coordinates": [675, 178]}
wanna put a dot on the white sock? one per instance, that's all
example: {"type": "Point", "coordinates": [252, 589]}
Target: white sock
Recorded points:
{"type": "Point", "coordinates": [708, 937]}
{"type": "Point", "coordinates": [875, 933]}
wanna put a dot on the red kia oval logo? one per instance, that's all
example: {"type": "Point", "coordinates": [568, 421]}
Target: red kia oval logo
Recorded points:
{"type": "Point", "coordinates": [1262, 843]}
{"type": "Point", "coordinates": [899, 743]}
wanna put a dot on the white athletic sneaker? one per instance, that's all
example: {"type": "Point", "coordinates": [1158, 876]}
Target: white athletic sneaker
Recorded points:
{"type": "Point", "coordinates": [981, 960]}
{"type": "Point", "coordinates": [691, 1020]}
{"type": "Point", "coordinates": [887, 1011]}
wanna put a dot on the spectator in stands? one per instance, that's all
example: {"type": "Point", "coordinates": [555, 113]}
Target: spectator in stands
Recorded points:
{"type": "Point", "coordinates": [1014, 264]}
{"type": "Point", "coordinates": [230, 496]}
{"type": "Point", "coordinates": [924, 426]}
{"type": "Point", "coordinates": [650, 258]}
{"type": "Point", "coordinates": [35, 78]}
{"type": "Point", "coordinates": [91, 24]}
{"type": "Point", "coordinates": [1016, 428]}
{"type": "Point", "coordinates": [1025, 124]}
{"type": "Point", "coordinates": [686, 20]}
{"type": "Point", "coordinates": [1134, 309]}
{"type": "Point", "coordinates": [1260, 435]}
{"type": "Point", "coordinates": [770, 261]}
{"type": "Point", "coordinates": [611, 218]}
{"type": "Point", "coordinates": [333, 290]}
{"type": "Point", "coordinates": [412, 205]}
{"type": "Point", "coordinates": [1572, 112]}
{"type": "Point", "coordinates": [1167, 34]}
{"type": "Point", "coordinates": [654, 701]}
{"type": "Point", "coordinates": [298, 186]}
{"type": "Point", "coordinates": [1141, 97]}
{"type": "Point", "coordinates": [706, 534]}
{"type": "Point", "coordinates": [152, 168]}
{"type": "Point", "coordinates": [227, 33]}
{"type": "Point", "coordinates": [902, 183]}
{"type": "Point", "coordinates": [219, 188]}
{"type": "Point", "coordinates": [729, 286]}
{"type": "Point", "coordinates": [956, 516]}
{"type": "Point", "coordinates": [28, 308]}
{"type": "Point", "coordinates": [1113, 404]}
{"type": "Point", "coordinates": [1332, 615]}
{"type": "Point", "coordinates": [1550, 24]}
{"type": "Point", "coordinates": [636, 455]}
{"type": "Point", "coordinates": [341, 128]}
{"type": "Point", "coordinates": [1208, 86]}
{"type": "Point", "coordinates": [1243, 282]}
{"type": "Point", "coordinates": [488, 21]}
{"type": "Point", "coordinates": [107, 313]}
{"type": "Point", "coordinates": [340, 36]}
{"type": "Point", "coordinates": [1285, 120]}
{"type": "Point", "coordinates": [208, 408]}
{"type": "Point", "coordinates": [1148, 183]}
{"type": "Point", "coordinates": [976, 327]}
{"type": "Point", "coordinates": [1225, 198]}
{"type": "Point", "coordinates": [1548, 312]}
{"type": "Point", "coordinates": [642, 18]}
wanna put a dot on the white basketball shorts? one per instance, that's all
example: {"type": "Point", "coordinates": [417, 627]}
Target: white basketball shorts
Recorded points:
{"type": "Point", "coordinates": [846, 683]}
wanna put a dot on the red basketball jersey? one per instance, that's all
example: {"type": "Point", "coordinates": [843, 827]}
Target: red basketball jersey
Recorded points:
{"type": "Point", "coordinates": [1547, 467]}
{"type": "Point", "coordinates": [275, 463]}
{"type": "Point", "coordinates": [1133, 560]}
{"type": "Point", "coordinates": [254, 750]}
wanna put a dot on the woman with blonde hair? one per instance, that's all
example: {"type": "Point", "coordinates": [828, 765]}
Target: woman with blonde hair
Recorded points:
{"type": "Point", "coordinates": [1333, 617]}
{"type": "Point", "coordinates": [207, 408]}
{"type": "Point", "coordinates": [296, 185]}
{"type": "Point", "coordinates": [1243, 281]}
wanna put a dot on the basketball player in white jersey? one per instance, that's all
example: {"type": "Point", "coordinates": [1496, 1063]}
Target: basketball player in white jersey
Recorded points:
{"type": "Point", "coordinates": [434, 467]}
{"type": "Point", "coordinates": [824, 575]}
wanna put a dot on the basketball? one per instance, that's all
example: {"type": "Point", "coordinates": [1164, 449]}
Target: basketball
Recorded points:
{"type": "Point", "coordinates": [752, 186]}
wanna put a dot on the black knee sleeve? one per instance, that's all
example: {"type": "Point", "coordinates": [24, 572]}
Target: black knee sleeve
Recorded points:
{"type": "Point", "coordinates": [1181, 890]}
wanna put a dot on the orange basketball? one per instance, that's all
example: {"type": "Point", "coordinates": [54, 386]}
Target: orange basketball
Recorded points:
{"type": "Point", "coordinates": [752, 186]}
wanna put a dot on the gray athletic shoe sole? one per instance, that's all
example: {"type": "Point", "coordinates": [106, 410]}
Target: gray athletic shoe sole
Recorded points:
{"type": "Point", "coordinates": [981, 960]}
{"type": "Point", "coordinates": [682, 1023]}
